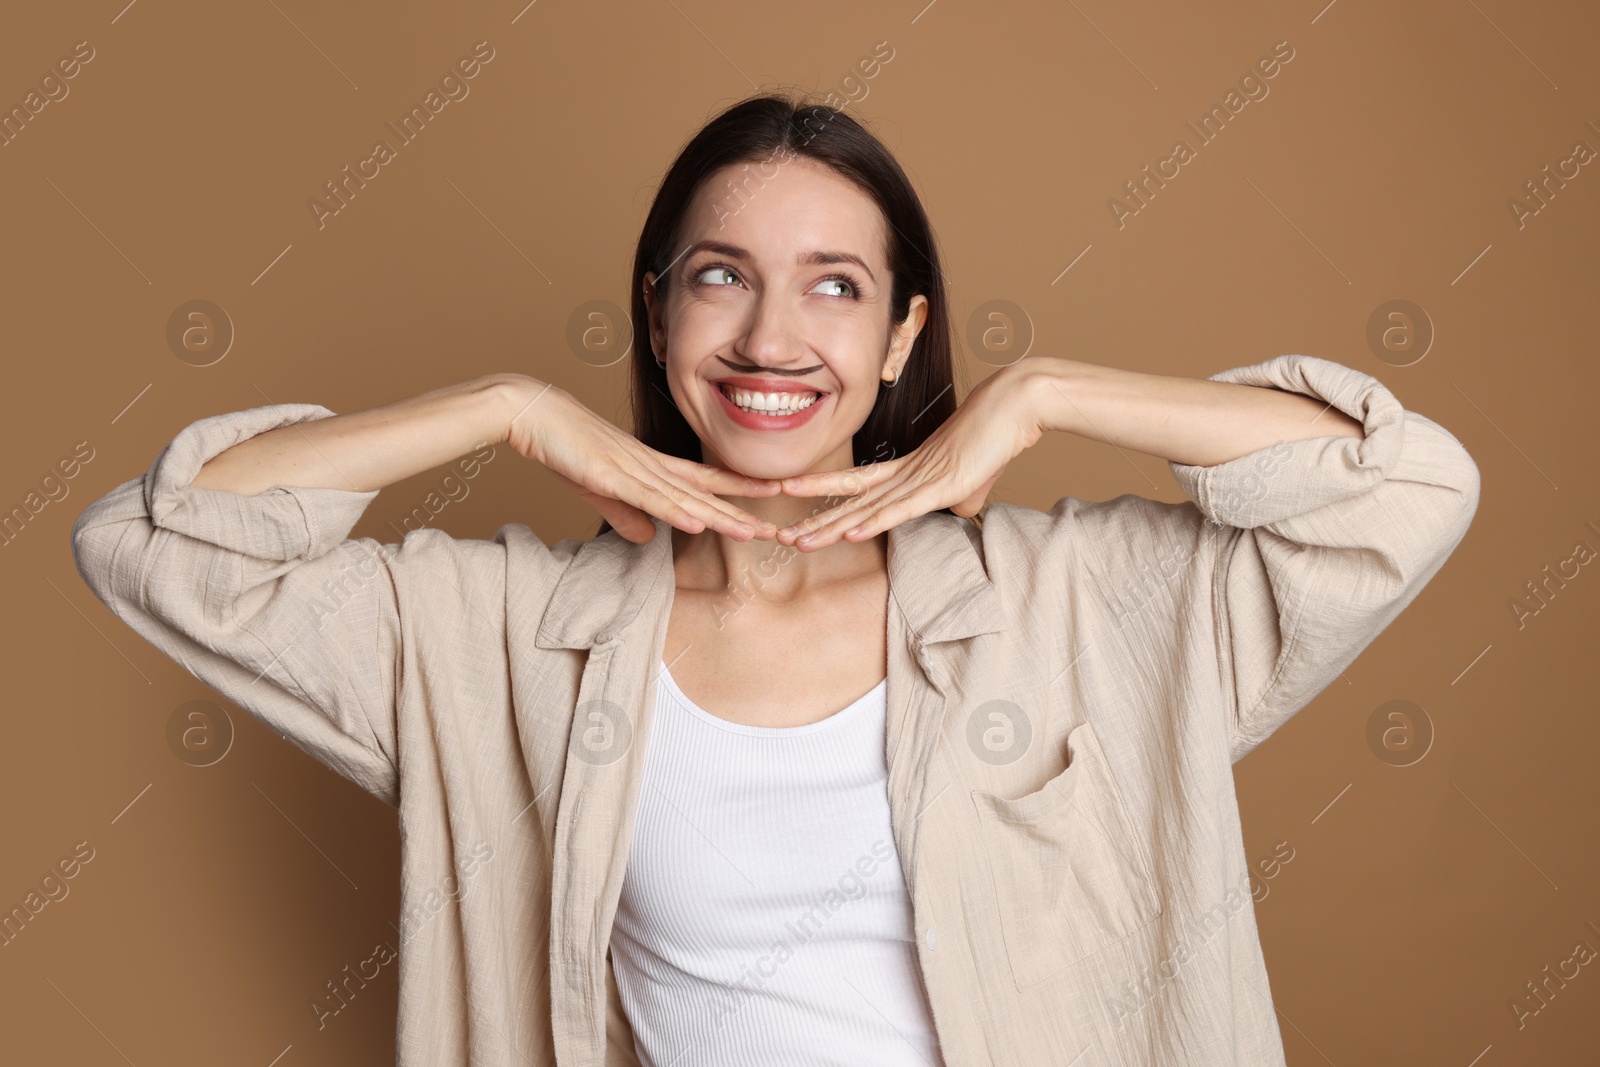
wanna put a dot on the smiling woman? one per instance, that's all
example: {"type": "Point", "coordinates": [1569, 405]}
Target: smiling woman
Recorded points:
{"type": "Point", "coordinates": [1025, 757]}
{"type": "Point", "coordinates": [828, 283]}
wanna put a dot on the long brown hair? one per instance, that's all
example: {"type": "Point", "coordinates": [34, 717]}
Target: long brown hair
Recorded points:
{"type": "Point", "coordinates": [772, 128]}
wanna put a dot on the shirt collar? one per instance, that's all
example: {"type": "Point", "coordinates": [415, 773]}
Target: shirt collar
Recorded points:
{"type": "Point", "coordinates": [936, 575]}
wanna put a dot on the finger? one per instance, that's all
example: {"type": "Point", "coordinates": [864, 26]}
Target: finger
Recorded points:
{"type": "Point", "coordinates": [924, 498]}
{"type": "Point", "coordinates": [811, 524]}
{"type": "Point", "coordinates": [909, 497]}
{"type": "Point", "coordinates": [721, 480]}
{"type": "Point", "coordinates": [644, 467]}
{"type": "Point", "coordinates": [627, 500]}
{"type": "Point", "coordinates": [828, 527]}
{"type": "Point", "coordinates": [764, 528]}
{"type": "Point", "coordinates": [970, 506]}
{"type": "Point", "coordinates": [826, 515]}
{"type": "Point", "coordinates": [687, 511]}
{"type": "Point", "coordinates": [633, 524]}
{"type": "Point", "coordinates": [704, 482]}
{"type": "Point", "coordinates": [848, 482]}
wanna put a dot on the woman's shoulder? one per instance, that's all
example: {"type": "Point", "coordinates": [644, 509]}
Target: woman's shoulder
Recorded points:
{"type": "Point", "coordinates": [1071, 521]}
{"type": "Point", "coordinates": [433, 567]}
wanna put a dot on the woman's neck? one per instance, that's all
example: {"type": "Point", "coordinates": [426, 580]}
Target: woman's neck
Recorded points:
{"type": "Point", "coordinates": [770, 570]}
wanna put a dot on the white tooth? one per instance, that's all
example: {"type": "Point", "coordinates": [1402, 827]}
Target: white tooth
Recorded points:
{"type": "Point", "coordinates": [773, 403]}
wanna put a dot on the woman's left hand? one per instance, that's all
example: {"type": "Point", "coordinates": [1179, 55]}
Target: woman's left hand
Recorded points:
{"type": "Point", "coordinates": [955, 467]}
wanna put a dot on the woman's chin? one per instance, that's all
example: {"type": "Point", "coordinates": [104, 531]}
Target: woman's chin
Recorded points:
{"type": "Point", "coordinates": [756, 468]}
{"type": "Point", "coordinates": [775, 463]}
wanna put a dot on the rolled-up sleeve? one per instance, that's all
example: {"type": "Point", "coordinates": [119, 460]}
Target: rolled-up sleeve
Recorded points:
{"type": "Point", "coordinates": [264, 598]}
{"type": "Point", "coordinates": [1281, 565]}
{"type": "Point", "coordinates": [1316, 545]}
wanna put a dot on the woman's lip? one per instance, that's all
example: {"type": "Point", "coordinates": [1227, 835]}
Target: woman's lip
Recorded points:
{"type": "Point", "coordinates": [752, 421]}
{"type": "Point", "coordinates": [766, 385]}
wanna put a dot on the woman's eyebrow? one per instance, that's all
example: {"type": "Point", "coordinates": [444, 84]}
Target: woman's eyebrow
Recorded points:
{"type": "Point", "coordinates": [815, 258]}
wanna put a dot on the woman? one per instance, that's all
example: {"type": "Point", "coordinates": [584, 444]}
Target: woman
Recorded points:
{"type": "Point", "coordinates": [747, 778]}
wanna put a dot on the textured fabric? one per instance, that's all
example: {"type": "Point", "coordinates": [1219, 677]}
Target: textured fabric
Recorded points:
{"type": "Point", "coordinates": [763, 917]}
{"type": "Point", "coordinates": [1067, 691]}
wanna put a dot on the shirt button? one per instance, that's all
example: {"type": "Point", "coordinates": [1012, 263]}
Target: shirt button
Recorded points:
{"type": "Point", "coordinates": [931, 938]}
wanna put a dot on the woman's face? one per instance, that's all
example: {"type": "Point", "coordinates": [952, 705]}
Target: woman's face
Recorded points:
{"type": "Point", "coordinates": [784, 290]}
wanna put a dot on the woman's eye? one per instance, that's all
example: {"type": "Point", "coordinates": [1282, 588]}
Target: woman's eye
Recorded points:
{"type": "Point", "coordinates": [716, 270]}
{"type": "Point", "coordinates": [728, 275]}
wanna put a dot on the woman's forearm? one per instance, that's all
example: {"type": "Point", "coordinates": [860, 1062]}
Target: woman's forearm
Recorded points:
{"type": "Point", "coordinates": [1185, 420]}
{"type": "Point", "coordinates": [366, 450]}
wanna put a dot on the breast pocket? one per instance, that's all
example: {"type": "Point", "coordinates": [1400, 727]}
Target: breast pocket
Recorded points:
{"type": "Point", "coordinates": [1071, 874]}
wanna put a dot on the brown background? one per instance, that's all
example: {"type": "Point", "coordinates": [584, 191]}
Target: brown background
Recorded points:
{"type": "Point", "coordinates": [221, 899]}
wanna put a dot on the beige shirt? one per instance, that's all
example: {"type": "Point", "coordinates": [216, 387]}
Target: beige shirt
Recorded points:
{"type": "Point", "coordinates": [1067, 692]}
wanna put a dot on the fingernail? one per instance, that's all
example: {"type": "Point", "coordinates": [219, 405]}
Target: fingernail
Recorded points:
{"type": "Point", "coordinates": [853, 530]}
{"type": "Point", "coordinates": [806, 539]}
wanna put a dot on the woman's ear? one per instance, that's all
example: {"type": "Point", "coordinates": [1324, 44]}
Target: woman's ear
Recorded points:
{"type": "Point", "coordinates": [905, 333]}
{"type": "Point", "coordinates": [655, 308]}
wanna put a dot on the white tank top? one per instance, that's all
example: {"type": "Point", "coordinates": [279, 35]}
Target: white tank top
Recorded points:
{"type": "Point", "coordinates": [764, 917]}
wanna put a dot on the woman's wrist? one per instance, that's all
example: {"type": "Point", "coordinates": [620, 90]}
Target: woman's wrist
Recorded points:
{"type": "Point", "coordinates": [515, 394]}
{"type": "Point", "coordinates": [1044, 384]}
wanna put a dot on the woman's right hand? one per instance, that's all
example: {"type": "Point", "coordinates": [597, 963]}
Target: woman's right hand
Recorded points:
{"type": "Point", "coordinates": [625, 480]}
